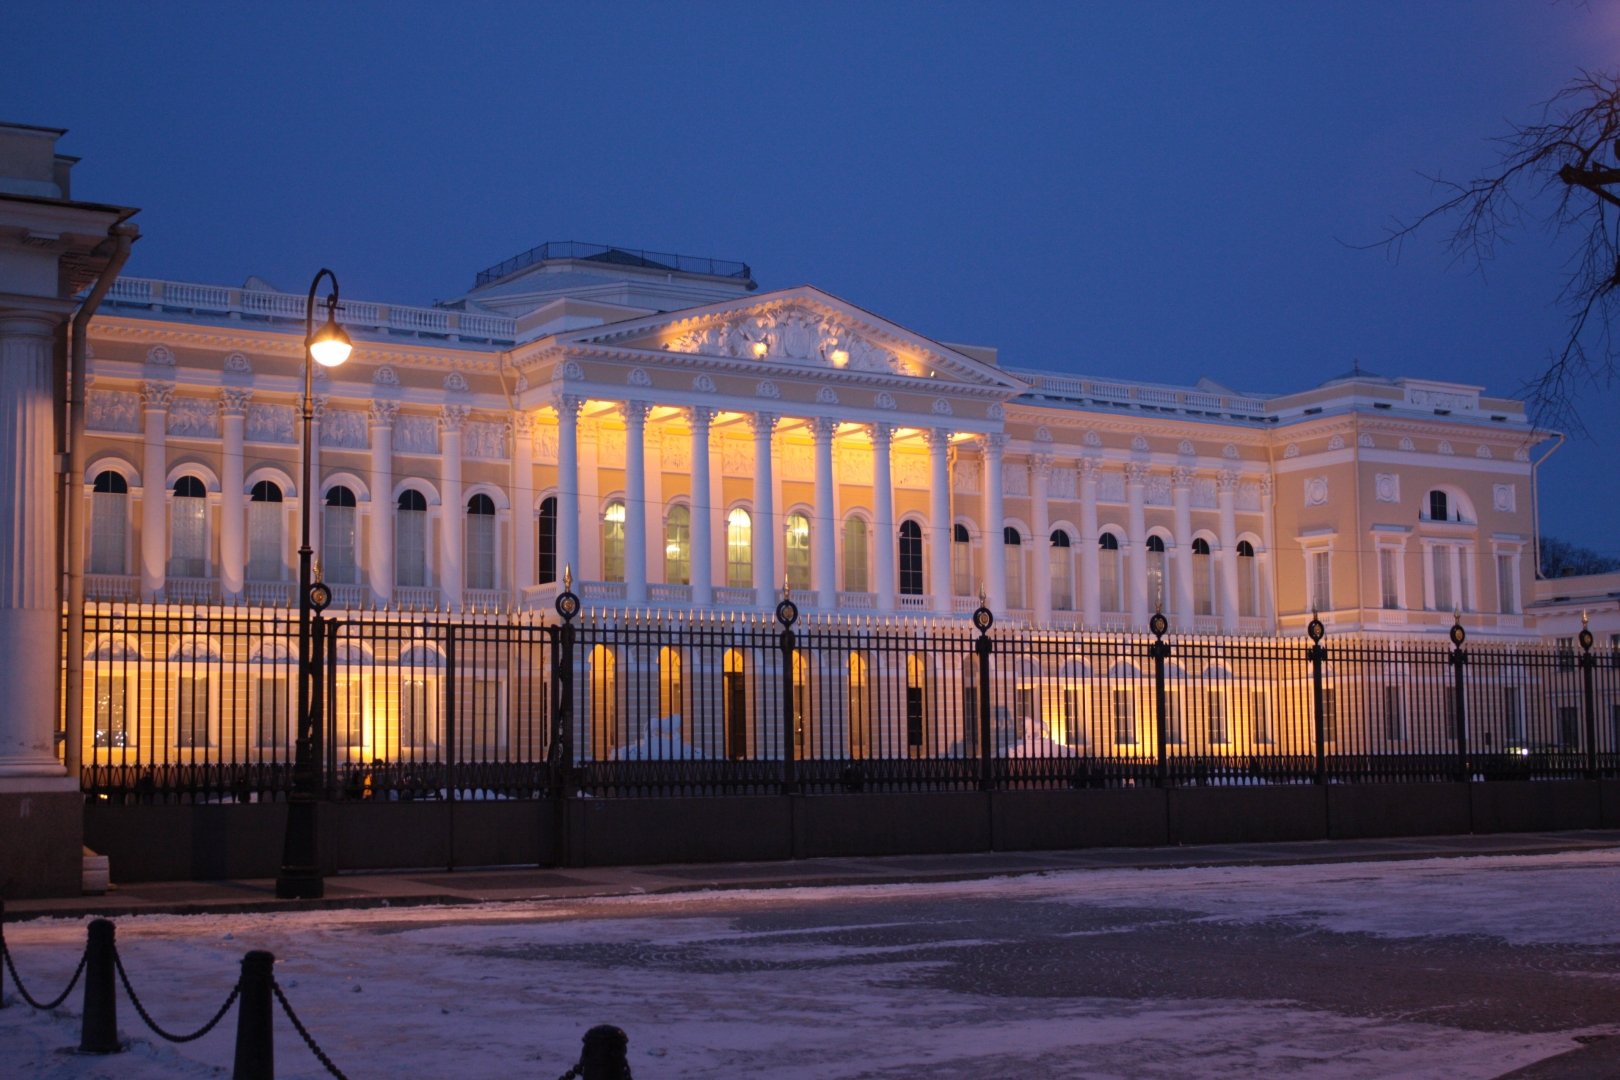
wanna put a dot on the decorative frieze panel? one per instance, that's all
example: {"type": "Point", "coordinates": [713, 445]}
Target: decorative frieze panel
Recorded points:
{"type": "Point", "coordinates": [1248, 497]}
{"type": "Point", "coordinates": [345, 429]}
{"type": "Point", "coordinates": [1014, 479]}
{"type": "Point", "coordinates": [1111, 486]}
{"type": "Point", "coordinates": [676, 452]}
{"type": "Point", "coordinates": [792, 334]}
{"type": "Point", "coordinates": [194, 418]}
{"type": "Point", "coordinates": [270, 424]}
{"type": "Point", "coordinates": [416, 435]}
{"type": "Point", "coordinates": [545, 445]}
{"type": "Point", "coordinates": [911, 471]}
{"type": "Point", "coordinates": [610, 448]}
{"type": "Point", "coordinates": [854, 465]}
{"type": "Point", "coordinates": [965, 480]}
{"type": "Point", "coordinates": [798, 461]}
{"type": "Point", "coordinates": [736, 457]}
{"type": "Point", "coordinates": [113, 410]}
{"type": "Point", "coordinates": [1061, 484]}
{"type": "Point", "coordinates": [1157, 490]}
{"type": "Point", "coordinates": [483, 440]}
{"type": "Point", "coordinates": [1203, 494]}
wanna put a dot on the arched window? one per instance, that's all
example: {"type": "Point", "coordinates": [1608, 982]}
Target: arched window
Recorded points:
{"type": "Point", "coordinates": [546, 545]}
{"type": "Point", "coordinates": [337, 537]}
{"type": "Point", "coordinates": [109, 524]}
{"type": "Point", "coordinates": [1439, 506]}
{"type": "Point", "coordinates": [735, 686]}
{"type": "Point", "coordinates": [1248, 580]}
{"type": "Point", "coordinates": [1013, 540]}
{"type": "Point", "coordinates": [739, 549]}
{"type": "Point", "coordinates": [188, 529]}
{"type": "Point", "coordinates": [410, 540]}
{"type": "Point", "coordinates": [1108, 576]}
{"type": "Point", "coordinates": [613, 541]}
{"type": "Point", "coordinates": [860, 706]}
{"type": "Point", "coordinates": [1062, 572]}
{"type": "Point", "coordinates": [669, 687]}
{"type": "Point", "coordinates": [480, 542]}
{"type": "Point", "coordinates": [961, 561]}
{"type": "Point", "coordinates": [678, 546]}
{"type": "Point", "coordinates": [1203, 578]}
{"type": "Point", "coordinates": [603, 703]}
{"type": "Point", "coordinates": [1158, 600]}
{"type": "Point", "coordinates": [856, 578]}
{"type": "Point", "coordinates": [911, 559]}
{"type": "Point", "coordinates": [264, 532]}
{"type": "Point", "coordinates": [796, 530]}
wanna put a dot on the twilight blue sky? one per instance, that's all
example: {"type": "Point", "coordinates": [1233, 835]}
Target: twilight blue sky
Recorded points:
{"type": "Point", "coordinates": [1156, 191]}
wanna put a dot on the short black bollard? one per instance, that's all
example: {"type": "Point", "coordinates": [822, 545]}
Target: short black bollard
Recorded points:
{"type": "Point", "coordinates": [98, 1033]}
{"type": "Point", "coordinates": [604, 1055]}
{"type": "Point", "coordinates": [255, 1050]}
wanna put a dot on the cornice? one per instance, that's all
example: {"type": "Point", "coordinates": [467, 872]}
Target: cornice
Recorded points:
{"type": "Point", "coordinates": [1169, 428]}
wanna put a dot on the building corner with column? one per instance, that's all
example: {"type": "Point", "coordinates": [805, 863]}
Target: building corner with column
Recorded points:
{"type": "Point", "coordinates": [52, 248]}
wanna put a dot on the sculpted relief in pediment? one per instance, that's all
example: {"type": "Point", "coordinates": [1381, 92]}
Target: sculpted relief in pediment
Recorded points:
{"type": "Point", "coordinates": [791, 334]}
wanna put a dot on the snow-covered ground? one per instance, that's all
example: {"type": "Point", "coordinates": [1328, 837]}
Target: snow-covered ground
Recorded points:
{"type": "Point", "coordinates": [1438, 968]}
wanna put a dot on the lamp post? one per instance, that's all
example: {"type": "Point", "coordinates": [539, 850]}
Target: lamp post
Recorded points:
{"type": "Point", "coordinates": [300, 875]}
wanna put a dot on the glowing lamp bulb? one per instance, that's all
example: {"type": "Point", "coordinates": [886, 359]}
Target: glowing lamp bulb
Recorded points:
{"type": "Point", "coordinates": [840, 357]}
{"type": "Point", "coordinates": [330, 346]}
{"type": "Point", "coordinates": [760, 348]}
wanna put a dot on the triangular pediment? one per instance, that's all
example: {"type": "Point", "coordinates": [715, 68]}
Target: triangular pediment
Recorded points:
{"type": "Point", "coordinates": [800, 326]}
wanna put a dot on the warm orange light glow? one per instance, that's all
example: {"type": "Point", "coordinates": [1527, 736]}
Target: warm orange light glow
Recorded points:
{"type": "Point", "coordinates": [840, 357]}
{"type": "Point", "coordinates": [760, 348]}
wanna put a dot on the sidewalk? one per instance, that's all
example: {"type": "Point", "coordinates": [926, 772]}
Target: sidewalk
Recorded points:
{"type": "Point", "coordinates": [486, 885]}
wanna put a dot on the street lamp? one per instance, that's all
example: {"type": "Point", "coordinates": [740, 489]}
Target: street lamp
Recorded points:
{"type": "Point", "coordinates": [300, 875]}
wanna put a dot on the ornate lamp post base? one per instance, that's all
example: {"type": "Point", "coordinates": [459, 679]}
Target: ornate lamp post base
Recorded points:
{"type": "Point", "coordinates": [300, 877]}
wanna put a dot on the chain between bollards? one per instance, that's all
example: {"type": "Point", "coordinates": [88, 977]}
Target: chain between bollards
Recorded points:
{"type": "Point", "coordinates": [22, 991]}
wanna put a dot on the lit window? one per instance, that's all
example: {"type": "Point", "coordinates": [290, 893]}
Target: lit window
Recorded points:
{"type": "Point", "coordinates": [678, 546]}
{"type": "Point", "coordinates": [1157, 575]}
{"type": "Point", "coordinates": [1013, 540]}
{"type": "Point", "coordinates": [797, 542]}
{"type": "Point", "coordinates": [961, 561]}
{"type": "Point", "coordinates": [1248, 580]}
{"type": "Point", "coordinates": [480, 542]}
{"type": "Point", "coordinates": [739, 550]}
{"type": "Point", "coordinates": [855, 560]}
{"type": "Point", "coordinates": [337, 537]}
{"type": "Point", "coordinates": [613, 542]}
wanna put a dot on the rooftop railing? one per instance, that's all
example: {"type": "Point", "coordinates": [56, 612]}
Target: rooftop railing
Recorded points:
{"type": "Point", "coordinates": [170, 296]}
{"type": "Point", "coordinates": [652, 260]}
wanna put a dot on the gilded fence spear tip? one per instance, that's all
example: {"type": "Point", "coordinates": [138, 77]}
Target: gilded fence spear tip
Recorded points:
{"type": "Point", "coordinates": [568, 576]}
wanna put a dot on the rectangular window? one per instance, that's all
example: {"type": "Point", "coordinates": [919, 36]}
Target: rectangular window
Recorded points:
{"type": "Point", "coordinates": [264, 541]}
{"type": "Point", "coordinates": [1108, 579]}
{"type": "Point", "coordinates": [1394, 715]}
{"type": "Point", "coordinates": [1465, 592]}
{"type": "Point", "coordinates": [418, 714]}
{"type": "Point", "coordinates": [1569, 727]}
{"type": "Point", "coordinates": [272, 711]}
{"type": "Point", "coordinates": [970, 706]}
{"type": "Point", "coordinates": [109, 525]}
{"type": "Point", "coordinates": [1203, 585]}
{"type": "Point", "coordinates": [855, 577]}
{"type": "Point", "coordinates": [1015, 575]}
{"type": "Point", "coordinates": [483, 731]}
{"type": "Point", "coordinates": [480, 551]}
{"type": "Point", "coordinates": [914, 717]}
{"type": "Point", "coordinates": [1321, 581]}
{"type": "Point", "coordinates": [1062, 579]}
{"type": "Point", "coordinates": [1248, 585]}
{"type": "Point", "coordinates": [349, 713]}
{"type": "Point", "coordinates": [1389, 582]}
{"type": "Point", "coordinates": [613, 542]}
{"type": "Point", "coordinates": [1440, 557]}
{"type": "Point", "coordinates": [114, 728]}
{"type": "Point", "coordinates": [188, 540]}
{"type": "Point", "coordinates": [1175, 733]}
{"type": "Point", "coordinates": [1124, 718]}
{"type": "Point", "coordinates": [1218, 734]}
{"type": "Point", "coordinates": [337, 545]}
{"type": "Point", "coordinates": [1260, 717]}
{"type": "Point", "coordinates": [962, 568]}
{"type": "Point", "coordinates": [678, 546]}
{"type": "Point", "coordinates": [410, 549]}
{"type": "Point", "coordinates": [1513, 716]}
{"type": "Point", "coordinates": [1073, 732]}
{"type": "Point", "coordinates": [1507, 586]}
{"type": "Point", "coordinates": [1449, 696]}
{"type": "Point", "coordinates": [191, 710]}
{"type": "Point", "coordinates": [1330, 715]}
{"type": "Point", "coordinates": [797, 546]}
{"type": "Point", "coordinates": [1158, 586]}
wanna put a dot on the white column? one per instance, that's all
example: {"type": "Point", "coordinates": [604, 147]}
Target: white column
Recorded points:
{"type": "Point", "coordinates": [567, 407]}
{"type": "Point", "coordinates": [383, 415]}
{"type": "Point", "coordinates": [717, 508]}
{"type": "Point", "coordinates": [635, 502]}
{"type": "Point", "coordinates": [28, 573]}
{"type": "Point", "coordinates": [233, 403]}
{"type": "Point", "coordinates": [884, 537]}
{"type": "Point", "coordinates": [155, 398]}
{"type": "Point", "coordinates": [940, 523]}
{"type": "Point", "coordinates": [1267, 569]}
{"type": "Point", "coordinates": [453, 508]}
{"type": "Point", "coordinates": [653, 545]}
{"type": "Point", "coordinates": [995, 520]}
{"type": "Point", "coordinates": [702, 550]}
{"type": "Point", "coordinates": [1090, 566]}
{"type": "Point", "coordinates": [1040, 587]}
{"type": "Point", "coordinates": [524, 557]}
{"type": "Point", "coordinates": [1181, 478]}
{"type": "Point", "coordinates": [824, 541]}
{"type": "Point", "coordinates": [765, 525]}
{"type": "Point", "coordinates": [1226, 487]}
{"type": "Point", "coordinates": [590, 502]}
{"type": "Point", "coordinates": [1136, 474]}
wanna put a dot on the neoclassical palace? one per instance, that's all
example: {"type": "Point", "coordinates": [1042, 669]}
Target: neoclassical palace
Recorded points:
{"type": "Point", "coordinates": [677, 439]}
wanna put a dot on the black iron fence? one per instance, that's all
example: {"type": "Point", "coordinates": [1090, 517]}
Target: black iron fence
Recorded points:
{"type": "Point", "coordinates": [199, 704]}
